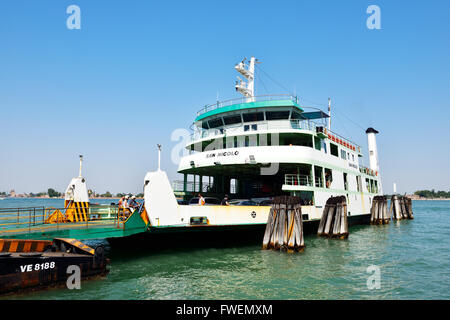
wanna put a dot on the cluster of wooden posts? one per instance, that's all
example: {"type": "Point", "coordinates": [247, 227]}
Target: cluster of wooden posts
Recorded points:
{"type": "Point", "coordinates": [333, 223]}
{"type": "Point", "coordinates": [284, 230]}
{"type": "Point", "coordinates": [379, 213]}
{"type": "Point", "coordinates": [400, 208]}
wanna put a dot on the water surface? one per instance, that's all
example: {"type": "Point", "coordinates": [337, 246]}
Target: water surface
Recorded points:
{"type": "Point", "coordinates": [413, 257]}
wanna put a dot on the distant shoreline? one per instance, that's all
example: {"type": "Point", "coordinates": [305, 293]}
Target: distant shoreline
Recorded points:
{"type": "Point", "coordinates": [433, 199]}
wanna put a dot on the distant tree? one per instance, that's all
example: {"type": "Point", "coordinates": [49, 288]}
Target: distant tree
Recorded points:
{"type": "Point", "coordinates": [120, 195]}
{"type": "Point", "coordinates": [432, 194]}
{"type": "Point", "coordinates": [52, 193]}
{"type": "Point", "coordinates": [140, 195]}
{"type": "Point", "coordinates": [107, 195]}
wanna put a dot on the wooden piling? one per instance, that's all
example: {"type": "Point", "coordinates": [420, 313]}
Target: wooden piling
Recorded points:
{"type": "Point", "coordinates": [409, 208]}
{"type": "Point", "coordinates": [323, 219]}
{"type": "Point", "coordinates": [334, 222]}
{"type": "Point", "coordinates": [269, 228]}
{"type": "Point", "coordinates": [397, 211]}
{"type": "Point", "coordinates": [284, 229]}
{"type": "Point", "coordinates": [379, 211]}
{"type": "Point", "coordinates": [299, 239]}
{"type": "Point", "coordinates": [344, 222]}
{"type": "Point", "coordinates": [329, 220]}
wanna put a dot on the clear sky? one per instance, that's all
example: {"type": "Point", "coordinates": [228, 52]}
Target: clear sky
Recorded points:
{"type": "Point", "coordinates": [137, 70]}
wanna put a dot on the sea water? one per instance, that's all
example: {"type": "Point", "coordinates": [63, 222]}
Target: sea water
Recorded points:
{"type": "Point", "coordinates": [409, 259]}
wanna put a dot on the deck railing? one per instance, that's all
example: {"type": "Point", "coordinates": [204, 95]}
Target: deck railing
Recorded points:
{"type": "Point", "coordinates": [319, 182]}
{"type": "Point", "coordinates": [368, 171]}
{"type": "Point", "coordinates": [255, 126]}
{"type": "Point", "coordinates": [33, 219]}
{"type": "Point", "coordinates": [297, 180]}
{"type": "Point", "coordinates": [178, 186]}
{"type": "Point", "coordinates": [226, 103]}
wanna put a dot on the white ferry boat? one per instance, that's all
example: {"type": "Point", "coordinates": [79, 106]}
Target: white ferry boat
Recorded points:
{"type": "Point", "coordinates": [255, 148]}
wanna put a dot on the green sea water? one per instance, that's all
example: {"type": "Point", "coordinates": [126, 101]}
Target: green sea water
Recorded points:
{"type": "Point", "coordinates": [412, 256]}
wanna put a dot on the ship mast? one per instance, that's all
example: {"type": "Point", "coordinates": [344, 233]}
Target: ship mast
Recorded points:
{"type": "Point", "coordinates": [329, 114]}
{"type": "Point", "coordinates": [247, 89]}
{"type": "Point", "coordinates": [81, 164]}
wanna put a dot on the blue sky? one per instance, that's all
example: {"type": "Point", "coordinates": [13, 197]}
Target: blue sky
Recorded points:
{"type": "Point", "coordinates": [137, 70]}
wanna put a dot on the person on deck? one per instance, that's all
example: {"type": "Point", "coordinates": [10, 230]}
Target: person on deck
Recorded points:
{"type": "Point", "coordinates": [125, 202]}
{"type": "Point", "coordinates": [133, 203]}
{"type": "Point", "coordinates": [225, 201]}
{"type": "Point", "coordinates": [121, 200]}
{"type": "Point", "coordinates": [201, 200]}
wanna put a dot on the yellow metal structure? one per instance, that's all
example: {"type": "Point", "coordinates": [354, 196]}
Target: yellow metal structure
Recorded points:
{"type": "Point", "coordinates": [74, 212]}
{"type": "Point", "coordinates": [55, 217]}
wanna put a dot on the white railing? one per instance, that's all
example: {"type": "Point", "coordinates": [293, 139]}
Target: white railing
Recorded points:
{"type": "Point", "coordinates": [178, 185]}
{"type": "Point", "coordinates": [250, 127]}
{"type": "Point", "coordinates": [319, 182]}
{"type": "Point", "coordinates": [297, 180]}
{"type": "Point", "coordinates": [226, 103]}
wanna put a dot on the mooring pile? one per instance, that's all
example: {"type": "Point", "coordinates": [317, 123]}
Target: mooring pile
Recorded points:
{"type": "Point", "coordinates": [333, 223]}
{"type": "Point", "coordinates": [401, 207]}
{"type": "Point", "coordinates": [284, 230]}
{"type": "Point", "coordinates": [379, 213]}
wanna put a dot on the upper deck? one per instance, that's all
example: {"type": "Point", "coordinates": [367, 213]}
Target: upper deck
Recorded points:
{"type": "Point", "coordinates": [265, 114]}
{"type": "Point", "coordinates": [279, 100]}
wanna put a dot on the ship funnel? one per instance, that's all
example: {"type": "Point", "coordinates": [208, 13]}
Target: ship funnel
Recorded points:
{"type": "Point", "coordinates": [373, 152]}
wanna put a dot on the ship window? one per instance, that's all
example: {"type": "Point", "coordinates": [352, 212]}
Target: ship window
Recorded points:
{"type": "Point", "coordinates": [296, 140]}
{"type": "Point", "coordinates": [296, 115]}
{"type": "Point", "coordinates": [230, 142]}
{"type": "Point", "coordinates": [317, 143]}
{"type": "Point", "coordinates": [277, 115]}
{"type": "Point", "coordinates": [343, 154]}
{"type": "Point", "coordinates": [232, 119]}
{"type": "Point", "coordinates": [246, 127]}
{"type": "Point", "coordinates": [345, 181]}
{"type": "Point", "coordinates": [324, 145]}
{"type": "Point", "coordinates": [255, 116]}
{"type": "Point", "coordinates": [205, 125]}
{"type": "Point", "coordinates": [233, 186]}
{"type": "Point", "coordinates": [334, 150]}
{"type": "Point", "coordinates": [215, 123]}
{"type": "Point", "coordinates": [254, 127]}
{"type": "Point", "coordinates": [328, 177]}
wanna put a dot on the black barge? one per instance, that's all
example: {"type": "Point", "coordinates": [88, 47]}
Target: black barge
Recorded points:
{"type": "Point", "coordinates": [36, 264]}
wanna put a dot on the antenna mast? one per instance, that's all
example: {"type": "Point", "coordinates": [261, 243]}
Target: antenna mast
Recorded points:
{"type": "Point", "coordinates": [81, 164]}
{"type": "Point", "coordinates": [159, 157]}
{"type": "Point", "coordinates": [329, 113]}
{"type": "Point", "coordinates": [247, 89]}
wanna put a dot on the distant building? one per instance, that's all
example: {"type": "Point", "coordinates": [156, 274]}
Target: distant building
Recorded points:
{"type": "Point", "coordinates": [12, 194]}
